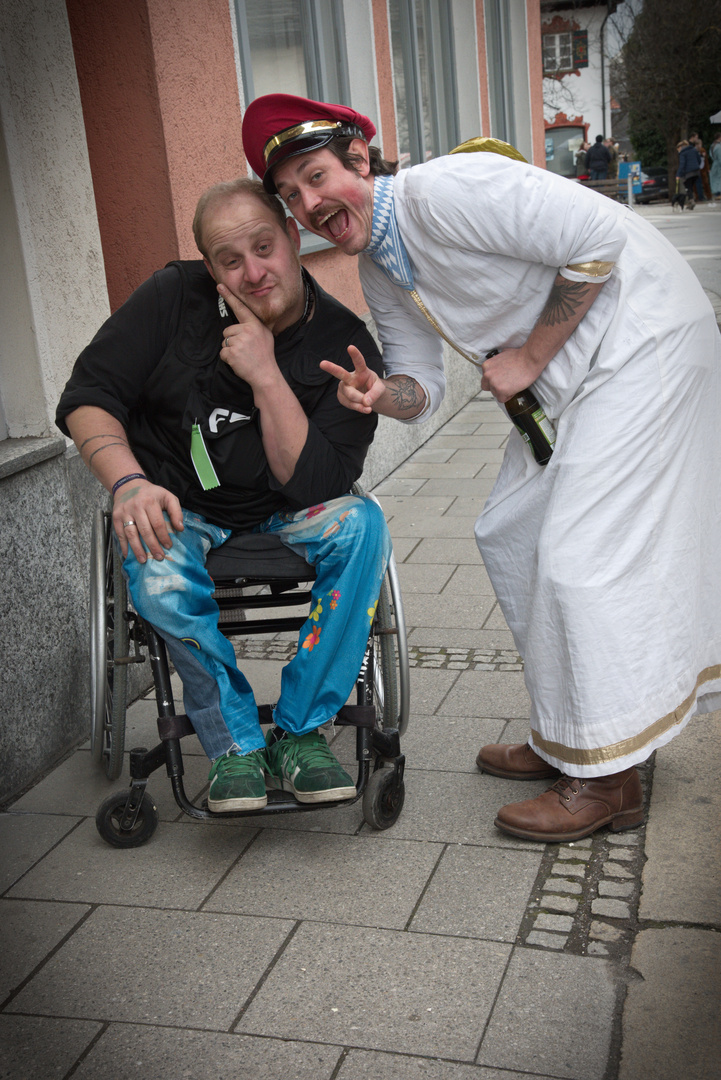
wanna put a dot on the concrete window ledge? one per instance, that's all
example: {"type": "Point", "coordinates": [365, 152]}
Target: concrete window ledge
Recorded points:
{"type": "Point", "coordinates": [19, 454]}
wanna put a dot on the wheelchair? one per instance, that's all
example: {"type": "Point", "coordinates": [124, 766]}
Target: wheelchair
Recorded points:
{"type": "Point", "coordinates": [255, 578]}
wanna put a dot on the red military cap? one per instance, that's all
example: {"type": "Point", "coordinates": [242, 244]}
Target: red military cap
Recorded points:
{"type": "Point", "coordinates": [278, 126]}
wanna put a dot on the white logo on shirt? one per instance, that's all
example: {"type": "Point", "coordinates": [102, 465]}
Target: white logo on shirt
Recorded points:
{"type": "Point", "coordinates": [219, 415]}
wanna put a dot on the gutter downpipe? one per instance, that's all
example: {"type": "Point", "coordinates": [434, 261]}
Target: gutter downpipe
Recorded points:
{"type": "Point", "coordinates": [603, 71]}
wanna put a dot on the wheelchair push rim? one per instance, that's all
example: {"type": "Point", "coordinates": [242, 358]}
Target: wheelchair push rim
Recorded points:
{"type": "Point", "coordinates": [108, 641]}
{"type": "Point", "coordinates": [391, 670]}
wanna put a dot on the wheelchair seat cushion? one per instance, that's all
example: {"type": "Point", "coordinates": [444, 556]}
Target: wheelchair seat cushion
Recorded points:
{"type": "Point", "coordinates": [257, 556]}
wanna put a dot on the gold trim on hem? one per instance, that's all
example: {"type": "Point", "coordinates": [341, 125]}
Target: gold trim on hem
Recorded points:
{"type": "Point", "coordinates": [574, 756]}
{"type": "Point", "coordinates": [592, 269]}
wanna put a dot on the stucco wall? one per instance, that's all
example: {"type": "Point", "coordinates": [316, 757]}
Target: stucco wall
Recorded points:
{"type": "Point", "coordinates": [116, 73]}
{"type": "Point", "coordinates": [535, 82]}
{"type": "Point", "coordinates": [199, 102]}
{"type": "Point", "coordinates": [483, 68]}
{"type": "Point", "coordinates": [51, 200]}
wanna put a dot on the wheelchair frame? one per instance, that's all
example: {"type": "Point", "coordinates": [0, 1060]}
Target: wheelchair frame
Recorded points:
{"type": "Point", "coordinates": [380, 715]}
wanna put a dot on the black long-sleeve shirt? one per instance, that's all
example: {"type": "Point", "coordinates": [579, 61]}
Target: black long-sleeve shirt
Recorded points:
{"type": "Point", "coordinates": [154, 366]}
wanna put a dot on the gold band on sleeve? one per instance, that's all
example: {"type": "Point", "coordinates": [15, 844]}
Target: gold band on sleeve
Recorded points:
{"type": "Point", "coordinates": [591, 269]}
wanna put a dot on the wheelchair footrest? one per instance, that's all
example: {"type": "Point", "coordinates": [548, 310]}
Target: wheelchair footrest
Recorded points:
{"type": "Point", "coordinates": [349, 715]}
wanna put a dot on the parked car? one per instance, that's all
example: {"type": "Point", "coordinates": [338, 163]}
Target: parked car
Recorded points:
{"type": "Point", "coordinates": [654, 184]}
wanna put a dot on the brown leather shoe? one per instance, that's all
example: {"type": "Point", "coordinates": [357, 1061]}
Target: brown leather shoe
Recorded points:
{"type": "Point", "coordinates": [572, 809]}
{"type": "Point", "coordinates": [514, 762]}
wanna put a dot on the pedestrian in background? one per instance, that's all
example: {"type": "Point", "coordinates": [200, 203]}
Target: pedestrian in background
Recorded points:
{"type": "Point", "coordinates": [598, 159]}
{"type": "Point", "coordinates": [703, 187]}
{"type": "Point", "coordinates": [689, 168]}
{"type": "Point", "coordinates": [715, 171]}
{"type": "Point", "coordinates": [581, 166]}
{"type": "Point", "coordinates": [613, 156]}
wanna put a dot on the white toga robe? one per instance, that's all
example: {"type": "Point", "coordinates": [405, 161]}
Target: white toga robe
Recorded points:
{"type": "Point", "coordinates": [606, 561]}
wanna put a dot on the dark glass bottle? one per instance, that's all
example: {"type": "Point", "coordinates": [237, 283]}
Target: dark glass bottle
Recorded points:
{"type": "Point", "coordinates": [531, 421]}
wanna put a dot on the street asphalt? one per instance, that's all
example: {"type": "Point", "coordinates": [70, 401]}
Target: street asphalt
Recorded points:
{"type": "Point", "coordinates": [308, 947]}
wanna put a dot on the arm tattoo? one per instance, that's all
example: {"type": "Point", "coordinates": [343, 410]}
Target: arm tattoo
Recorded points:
{"type": "Point", "coordinates": [404, 392]}
{"type": "Point", "coordinates": [104, 447]}
{"type": "Point", "coordinates": [565, 298]}
{"type": "Point", "coordinates": [106, 435]}
{"type": "Point", "coordinates": [127, 493]}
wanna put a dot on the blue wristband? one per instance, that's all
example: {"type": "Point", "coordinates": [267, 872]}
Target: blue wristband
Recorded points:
{"type": "Point", "coordinates": [124, 480]}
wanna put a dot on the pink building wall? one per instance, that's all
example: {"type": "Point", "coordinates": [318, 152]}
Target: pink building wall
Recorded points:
{"type": "Point", "coordinates": [483, 69]}
{"type": "Point", "coordinates": [126, 145]}
{"type": "Point", "coordinates": [535, 72]}
{"type": "Point", "coordinates": [384, 73]}
{"type": "Point", "coordinates": [198, 93]}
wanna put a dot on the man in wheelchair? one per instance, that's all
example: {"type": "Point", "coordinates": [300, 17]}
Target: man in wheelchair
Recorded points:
{"type": "Point", "coordinates": [201, 407]}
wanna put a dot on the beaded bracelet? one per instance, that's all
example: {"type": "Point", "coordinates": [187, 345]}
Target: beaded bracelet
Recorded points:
{"type": "Point", "coordinates": [124, 480]}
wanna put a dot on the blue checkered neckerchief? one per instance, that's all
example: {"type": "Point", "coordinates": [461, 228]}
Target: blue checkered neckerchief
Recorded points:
{"type": "Point", "coordinates": [386, 247]}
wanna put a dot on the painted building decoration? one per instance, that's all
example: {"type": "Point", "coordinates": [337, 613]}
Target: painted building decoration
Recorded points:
{"type": "Point", "coordinates": [576, 96]}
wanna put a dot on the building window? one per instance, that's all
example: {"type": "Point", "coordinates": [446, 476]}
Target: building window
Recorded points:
{"type": "Point", "coordinates": [562, 147]}
{"type": "Point", "coordinates": [565, 52]}
{"type": "Point", "coordinates": [293, 47]}
{"type": "Point", "coordinates": [500, 70]}
{"type": "Point", "coordinates": [557, 53]}
{"type": "Point", "coordinates": [424, 76]}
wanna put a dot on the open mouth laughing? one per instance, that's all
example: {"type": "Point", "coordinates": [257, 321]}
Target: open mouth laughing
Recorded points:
{"type": "Point", "coordinates": [335, 223]}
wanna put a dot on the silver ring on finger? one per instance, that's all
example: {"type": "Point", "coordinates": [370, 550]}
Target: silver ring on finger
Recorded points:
{"type": "Point", "coordinates": [225, 343]}
{"type": "Point", "coordinates": [126, 523]}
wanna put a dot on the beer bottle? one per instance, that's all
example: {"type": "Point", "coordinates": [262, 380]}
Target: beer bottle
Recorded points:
{"type": "Point", "coordinates": [531, 421]}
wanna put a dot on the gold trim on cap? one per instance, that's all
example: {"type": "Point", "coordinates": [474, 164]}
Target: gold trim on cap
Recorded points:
{"type": "Point", "coordinates": [591, 269]}
{"type": "Point", "coordinates": [575, 756]}
{"type": "Point", "coordinates": [294, 132]}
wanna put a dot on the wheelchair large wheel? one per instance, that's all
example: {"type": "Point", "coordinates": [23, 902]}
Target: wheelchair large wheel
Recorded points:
{"type": "Point", "coordinates": [391, 670]}
{"type": "Point", "coordinates": [385, 674]}
{"type": "Point", "coordinates": [108, 640]}
{"type": "Point", "coordinates": [391, 681]}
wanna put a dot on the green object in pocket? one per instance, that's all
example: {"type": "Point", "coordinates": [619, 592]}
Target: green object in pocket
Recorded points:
{"type": "Point", "coordinates": [201, 460]}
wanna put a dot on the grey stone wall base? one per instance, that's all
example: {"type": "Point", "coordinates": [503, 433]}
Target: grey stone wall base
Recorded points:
{"type": "Point", "coordinates": [48, 505]}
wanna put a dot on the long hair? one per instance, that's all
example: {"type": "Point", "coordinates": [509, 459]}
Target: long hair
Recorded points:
{"type": "Point", "coordinates": [378, 164]}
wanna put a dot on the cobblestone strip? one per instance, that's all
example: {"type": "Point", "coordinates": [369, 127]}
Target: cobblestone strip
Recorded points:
{"type": "Point", "coordinates": [464, 659]}
{"type": "Point", "coordinates": [585, 899]}
{"type": "Point", "coordinates": [424, 656]}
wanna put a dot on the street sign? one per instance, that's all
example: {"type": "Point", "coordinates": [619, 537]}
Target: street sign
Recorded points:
{"type": "Point", "coordinates": [634, 169]}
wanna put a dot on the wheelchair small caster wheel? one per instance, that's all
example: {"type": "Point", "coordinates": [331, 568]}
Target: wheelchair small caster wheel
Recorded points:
{"type": "Point", "coordinates": [110, 815]}
{"type": "Point", "coordinates": [383, 799]}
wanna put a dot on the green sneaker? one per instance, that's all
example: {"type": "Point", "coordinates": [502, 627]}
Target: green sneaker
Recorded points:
{"type": "Point", "coordinates": [304, 765]}
{"type": "Point", "coordinates": [237, 782]}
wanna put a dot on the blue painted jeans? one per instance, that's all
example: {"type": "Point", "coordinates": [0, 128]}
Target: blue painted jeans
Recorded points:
{"type": "Point", "coordinates": [347, 541]}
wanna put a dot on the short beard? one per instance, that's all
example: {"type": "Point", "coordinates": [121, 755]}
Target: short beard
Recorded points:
{"type": "Point", "coordinates": [271, 321]}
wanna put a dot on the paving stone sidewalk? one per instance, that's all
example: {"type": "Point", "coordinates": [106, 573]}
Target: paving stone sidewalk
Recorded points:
{"type": "Point", "coordinates": [310, 948]}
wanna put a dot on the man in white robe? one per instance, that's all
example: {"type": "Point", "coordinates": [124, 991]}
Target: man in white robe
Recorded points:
{"type": "Point", "coordinates": [605, 560]}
